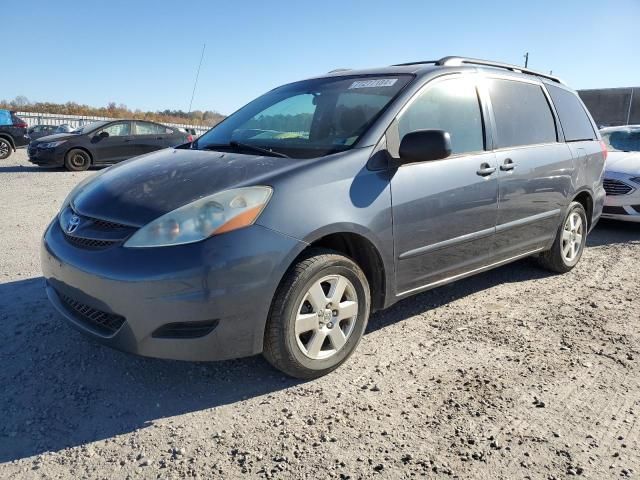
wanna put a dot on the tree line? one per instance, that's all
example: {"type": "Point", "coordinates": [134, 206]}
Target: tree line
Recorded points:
{"type": "Point", "coordinates": [206, 118]}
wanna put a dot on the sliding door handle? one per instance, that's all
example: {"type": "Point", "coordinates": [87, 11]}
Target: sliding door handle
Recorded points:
{"type": "Point", "coordinates": [507, 165]}
{"type": "Point", "coordinates": [485, 170]}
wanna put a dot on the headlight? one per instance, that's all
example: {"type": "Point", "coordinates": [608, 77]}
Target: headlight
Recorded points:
{"type": "Point", "coordinates": [635, 180]}
{"type": "Point", "coordinates": [218, 213]}
{"type": "Point", "coordinates": [51, 144]}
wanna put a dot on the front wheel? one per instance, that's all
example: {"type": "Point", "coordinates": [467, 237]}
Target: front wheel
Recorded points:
{"type": "Point", "coordinates": [569, 243]}
{"type": "Point", "coordinates": [318, 316]}
{"type": "Point", "coordinates": [77, 160]}
{"type": "Point", "coordinates": [5, 149]}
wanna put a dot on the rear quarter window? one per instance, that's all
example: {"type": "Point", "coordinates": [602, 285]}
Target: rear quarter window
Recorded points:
{"type": "Point", "coordinates": [5, 118]}
{"type": "Point", "coordinates": [573, 117]}
{"type": "Point", "coordinates": [522, 113]}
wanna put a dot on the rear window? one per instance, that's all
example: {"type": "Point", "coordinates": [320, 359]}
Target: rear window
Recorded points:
{"type": "Point", "coordinates": [573, 117]}
{"type": "Point", "coordinates": [522, 113]}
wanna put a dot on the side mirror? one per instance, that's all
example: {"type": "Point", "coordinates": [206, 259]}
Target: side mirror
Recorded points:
{"type": "Point", "coordinates": [425, 145]}
{"type": "Point", "coordinates": [104, 134]}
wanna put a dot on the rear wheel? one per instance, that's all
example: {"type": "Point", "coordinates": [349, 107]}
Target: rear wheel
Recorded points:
{"type": "Point", "coordinates": [318, 316]}
{"type": "Point", "coordinates": [77, 160]}
{"type": "Point", "coordinates": [5, 149]}
{"type": "Point", "coordinates": [569, 243]}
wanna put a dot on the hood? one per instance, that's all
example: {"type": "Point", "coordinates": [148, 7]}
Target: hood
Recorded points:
{"type": "Point", "coordinates": [143, 188]}
{"type": "Point", "coordinates": [623, 162]}
{"type": "Point", "coordinates": [56, 137]}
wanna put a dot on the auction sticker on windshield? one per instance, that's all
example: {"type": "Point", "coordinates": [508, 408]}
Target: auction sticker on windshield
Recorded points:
{"type": "Point", "coordinates": [383, 82]}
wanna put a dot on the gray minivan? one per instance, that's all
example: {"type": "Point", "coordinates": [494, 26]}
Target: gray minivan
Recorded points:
{"type": "Point", "coordinates": [283, 227]}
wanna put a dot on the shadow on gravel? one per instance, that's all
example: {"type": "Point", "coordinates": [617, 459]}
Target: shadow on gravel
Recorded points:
{"type": "Point", "coordinates": [22, 168]}
{"type": "Point", "coordinates": [60, 389]}
{"type": "Point", "coordinates": [520, 271]}
{"type": "Point", "coordinates": [609, 232]}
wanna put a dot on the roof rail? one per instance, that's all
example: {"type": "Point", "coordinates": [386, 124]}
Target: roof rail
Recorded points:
{"type": "Point", "coordinates": [337, 70]}
{"type": "Point", "coordinates": [435, 62]}
{"type": "Point", "coordinates": [453, 61]}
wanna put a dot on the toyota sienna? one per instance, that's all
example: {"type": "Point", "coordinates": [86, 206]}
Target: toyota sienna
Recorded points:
{"type": "Point", "coordinates": [283, 227]}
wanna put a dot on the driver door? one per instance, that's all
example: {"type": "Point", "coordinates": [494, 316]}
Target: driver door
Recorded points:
{"type": "Point", "coordinates": [116, 147]}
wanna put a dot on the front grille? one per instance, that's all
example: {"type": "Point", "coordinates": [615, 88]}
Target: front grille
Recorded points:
{"type": "Point", "coordinates": [92, 233]}
{"type": "Point", "coordinates": [103, 322]}
{"type": "Point", "coordinates": [106, 225]}
{"type": "Point", "coordinates": [89, 243]}
{"type": "Point", "coordinates": [616, 187]}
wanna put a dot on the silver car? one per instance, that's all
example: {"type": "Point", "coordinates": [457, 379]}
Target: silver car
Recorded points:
{"type": "Point", "coordinates": [622, 175]}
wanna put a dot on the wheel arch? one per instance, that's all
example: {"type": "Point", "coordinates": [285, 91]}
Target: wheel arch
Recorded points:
{"type": "Point", "coordinates": [364, 252]}
{"type": "Point", "coordinates": [9, 138]}
{"type": "Point", "coordinates": [585, 198]}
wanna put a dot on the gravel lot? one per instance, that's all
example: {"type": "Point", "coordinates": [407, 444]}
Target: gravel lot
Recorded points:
{"type": "Point", "coordinates": [511, 374]}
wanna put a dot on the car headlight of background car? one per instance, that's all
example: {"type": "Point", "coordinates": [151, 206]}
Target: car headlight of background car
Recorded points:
{"type": "Point", "coordinates": [214, 214]}
{"type": "Point", "coordinates": [51, 144]}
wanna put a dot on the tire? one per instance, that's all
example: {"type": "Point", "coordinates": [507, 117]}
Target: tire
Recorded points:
{"type": "Point", "coordinates": [321, 343]}
{"type": "Point", "coordinates": [77, 160]}
{"type": "Point", "coordinates": [561, 258]}
{"type": "Point", "coordinates": [5, 149]}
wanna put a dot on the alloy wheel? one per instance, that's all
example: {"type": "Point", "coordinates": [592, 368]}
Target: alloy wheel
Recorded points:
{"type": "Point", "coordinates": [326, 317]}
{"type": "Point", "coordinates": [572, 237]}
{"type": "Point", "coordinates": [4, 149]}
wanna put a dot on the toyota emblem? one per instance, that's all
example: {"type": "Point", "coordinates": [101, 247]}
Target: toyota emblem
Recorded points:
{"type": "Point", "coordinates": [72, 226]}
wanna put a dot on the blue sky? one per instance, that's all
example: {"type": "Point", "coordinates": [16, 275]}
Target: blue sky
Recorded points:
{"type": "Point", "coordinates": [145, 53]}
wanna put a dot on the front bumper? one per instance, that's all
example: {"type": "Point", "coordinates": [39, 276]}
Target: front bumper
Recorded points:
{"type": "Point", "coordinates": [227, 280]}
{"type": "Point", "coordinates": [625, 206]}
{"type": "Point", "coordinates": [45, 156]}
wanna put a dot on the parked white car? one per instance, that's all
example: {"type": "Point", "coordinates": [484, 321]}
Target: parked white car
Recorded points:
{"type": "Point", "coordinates": [622, 175]}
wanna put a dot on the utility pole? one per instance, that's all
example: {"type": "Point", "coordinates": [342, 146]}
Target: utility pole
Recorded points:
{"type": "Point", "coordinates": [197, 75]}
{"type": "Point", "coordinates": [526, 60]}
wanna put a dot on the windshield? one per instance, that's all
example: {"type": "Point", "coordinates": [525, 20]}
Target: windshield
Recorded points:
{"type": "Point", "coordinates": [307, 119]}
{"type": "Point", "coordinates": [625, 139]}
{"type": "Point", "coordinates": [89, 127]}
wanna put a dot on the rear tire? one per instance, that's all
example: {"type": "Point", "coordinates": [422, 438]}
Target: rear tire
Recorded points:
{"type": "Point", "coordinates": [77, 160]}
{"type": "Point", "coordinates": [5, 149]}
{"type": "Point", "coordinates": [318, 315]}
{"type": "Point", "coordinates": [569, 243]}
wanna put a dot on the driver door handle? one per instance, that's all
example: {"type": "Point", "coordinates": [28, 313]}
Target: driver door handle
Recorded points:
{"type": "Point", "coordinates": [507, 165]}
{"type": "Point", "coordinates": [485, 170]}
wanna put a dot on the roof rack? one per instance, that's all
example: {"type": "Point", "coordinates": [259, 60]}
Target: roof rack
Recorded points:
{"type": "Point", "coordinates": [453, 61]}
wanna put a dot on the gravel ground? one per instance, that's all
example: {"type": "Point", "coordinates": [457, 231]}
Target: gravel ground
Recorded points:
{"type": "Point", "coordinates": [514, 373]}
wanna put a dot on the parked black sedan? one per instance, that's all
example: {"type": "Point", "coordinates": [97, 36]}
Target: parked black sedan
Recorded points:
{"type": "Point", "coordinates": [39, 131]}
{"type": "Point", "coordinates": [103, 143]}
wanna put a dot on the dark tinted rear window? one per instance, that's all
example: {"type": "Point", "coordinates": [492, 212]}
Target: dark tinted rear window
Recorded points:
{"type": "Point", "coordinates": [522, 113]}
{"type": "Point", "coordinates": [573, 118]}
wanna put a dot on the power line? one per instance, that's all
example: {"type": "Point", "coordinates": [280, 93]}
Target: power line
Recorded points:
{"type": "Point", "coordinates": [197, 75]}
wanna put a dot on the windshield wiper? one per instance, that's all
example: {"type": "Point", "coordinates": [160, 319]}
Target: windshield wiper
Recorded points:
{"type": "Point", "coordinates": [257, 149]}
{"type": "Point", "coordinates": [239, 146]}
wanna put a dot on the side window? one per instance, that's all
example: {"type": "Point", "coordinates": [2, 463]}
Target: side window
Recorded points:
{"type": "Point", "coordinates": [118, 129]}
{"type": "Point", "coordinates": [573, 117]}
{"type": "Point", "coordinates": [450, 105]}
{"type": "Point", "coordinates": [5, 117]}
{"type": "Point", "coordinates": [146, 128]}
{"type": "Point", "coordinates": [523, 115]}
